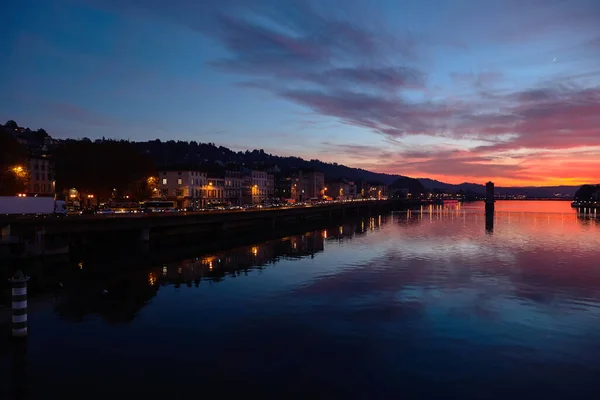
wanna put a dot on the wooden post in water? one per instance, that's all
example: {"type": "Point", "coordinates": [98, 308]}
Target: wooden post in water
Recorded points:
{"type": "Point", "coordinates": [19, 304]}
{"type": "Point", "coordinates": [489, 197]}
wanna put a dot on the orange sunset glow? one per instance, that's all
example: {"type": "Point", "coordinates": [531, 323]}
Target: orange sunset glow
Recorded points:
{"type": "Point", "coordinates": [500, 90]}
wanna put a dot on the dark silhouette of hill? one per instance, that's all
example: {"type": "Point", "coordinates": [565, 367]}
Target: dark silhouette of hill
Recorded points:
{"type": "Point", "coordinates": [530, 191]}
{"type": "Point", "coordinates": [193, 153]}
{"type": "Point", "coordinates": [432, 184]}
{"type": "Point", "coordinates": [587, 192]}
{"type": "Point", "coordinates": [413, 185]}
{"type": "Point", "coordinates": [169, 153]}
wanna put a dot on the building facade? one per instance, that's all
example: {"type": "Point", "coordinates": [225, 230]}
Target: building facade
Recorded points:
{"type": "Point", "coordinates": [338, 190]}
{"type": "Point", "coordinates": [313, 184]}
{"type": "Point", "coordinates": [41, 176]}
{"type": "Point", "coordinates": [352, 190]}
{"type": "Point", "coordinates": [377, 191]}
{"type": "Point", "coordinates": [199, 189]}
{"type": "Point", "coordinates": [255, 186]}
{"type": "Point", "coordinates": [270, 186]}
{"type": "Point", "coordinates": [283, 187]}
{"type": "Point", "coordinates": [213, 193]}
{"type": "Point", "coordinates": [183, 186]}
{"type": "Point", "coordinates": [234, 187]}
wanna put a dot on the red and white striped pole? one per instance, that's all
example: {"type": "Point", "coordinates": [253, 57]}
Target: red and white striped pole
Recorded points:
{"type": "Point", "coordinates": [19, 304]}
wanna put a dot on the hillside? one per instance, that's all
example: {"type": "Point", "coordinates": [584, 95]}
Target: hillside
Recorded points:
{"type": "Point", "coordinates": [530, 191]}
{"type": "Point", "coordinates": [193, 153]}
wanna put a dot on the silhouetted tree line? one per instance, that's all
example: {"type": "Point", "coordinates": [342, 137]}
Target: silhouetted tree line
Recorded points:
{"type": "Point", "coordinates": [193, 153]}
{"type": "Point", "coordinates": [413, 185]}
{"type": "Point", "coordinates": [93, 167]}
{"type": "Point", "coordinates": [100, 167]}
{"type": "Point", "coordinates": [586, 192]}
{"type": "Point", "coordinates": [12, 154]}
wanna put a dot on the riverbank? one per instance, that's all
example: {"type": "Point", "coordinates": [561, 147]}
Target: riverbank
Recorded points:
{"type": "Point", "coordinates": [46, 271]}
{"type": "Point", "coordinates": [36, 237]}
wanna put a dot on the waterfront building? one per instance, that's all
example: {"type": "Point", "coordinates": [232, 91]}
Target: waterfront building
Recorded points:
{"type": "Point", "coordinates": [312, 183]}
{"type": "Point", "coordinates": [352, 190]}
{"type": "Point", "coordinates": [41, 176]}
{"type": "Point", "coordinates": [270, 186]}
{"type": "Point", "coordinates": [234, 187]}
{"type": "Point", "coordinates": [362, 189]}
{"type": "Point", "coordinates": [213, 192]}
{"type": "Point", "coordinates": [338, 190]}
{"type": "Point", "coordinates": [255, 186]}
{"type": "Point", "coordinates": [377, 191]}
{"type": "Point", "coordinates": [283, 186]}
{"type": "Point", "coordinates": [183, 185]}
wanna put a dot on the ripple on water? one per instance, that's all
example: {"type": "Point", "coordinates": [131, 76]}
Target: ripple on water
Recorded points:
{"type": "Point", "coordinates": [423, 304]}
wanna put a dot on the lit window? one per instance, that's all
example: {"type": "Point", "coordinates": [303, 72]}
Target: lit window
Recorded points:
{"type": "Point", "coordinates": [179, 181]}
{"type": "Point", "coordinates": [164, 181]}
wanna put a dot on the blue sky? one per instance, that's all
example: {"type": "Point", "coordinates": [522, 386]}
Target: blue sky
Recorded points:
{"type": "Point", "coordinates": [451, 89]}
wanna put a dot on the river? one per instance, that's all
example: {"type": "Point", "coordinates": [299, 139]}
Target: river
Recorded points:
{"type": "Point", "coordinates": [438, 302]}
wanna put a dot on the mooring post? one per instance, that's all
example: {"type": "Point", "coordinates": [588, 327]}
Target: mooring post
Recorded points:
{"type": "Point", "coordinates": [19, 304]}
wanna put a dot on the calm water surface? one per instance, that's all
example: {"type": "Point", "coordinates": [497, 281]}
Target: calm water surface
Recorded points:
{"type": "Point", "coordinates": [432, 303]}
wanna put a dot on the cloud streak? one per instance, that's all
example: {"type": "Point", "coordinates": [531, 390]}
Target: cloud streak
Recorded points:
{"type": "Point", "coordinates": [339, 64]}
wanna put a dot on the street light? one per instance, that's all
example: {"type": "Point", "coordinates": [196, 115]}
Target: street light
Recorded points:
{"type": "Point", "coordinates": [19, 171]}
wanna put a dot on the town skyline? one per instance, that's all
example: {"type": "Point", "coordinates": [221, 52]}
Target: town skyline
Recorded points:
{"type": "Point", "coordinates": [468, 92]}
{"type": "Point", "coordinates": [197, 156]}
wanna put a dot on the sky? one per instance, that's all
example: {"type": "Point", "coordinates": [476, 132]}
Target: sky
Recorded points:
{"type": "Point", "coordinates": [454, 90]}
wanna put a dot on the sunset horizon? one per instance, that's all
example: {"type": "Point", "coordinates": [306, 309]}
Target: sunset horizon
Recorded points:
{"type": "Point", "coordinates": [438, 90]}
{"type": "Point", "coordinates": [300, 199]}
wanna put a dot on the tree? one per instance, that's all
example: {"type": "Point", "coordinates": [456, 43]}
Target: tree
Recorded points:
{"type": "Point", "coordinates": [586, 192]}
{"type": "Point", "coordinates": [414, 186]}
{"type": "Point", "coordinates": [144, 188]}
{"type": "Point", "coordinates": [13, 165]}
{"type": "Point", "coordinates": [10, 124]}
{"type": "Point", "coordinates": [39, 135]}
{"type": "Point", "coordinates": [99, 167]}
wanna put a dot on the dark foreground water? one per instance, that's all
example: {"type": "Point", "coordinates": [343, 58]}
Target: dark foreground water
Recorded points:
{"type": "Point", "coordinates": [432, 303]}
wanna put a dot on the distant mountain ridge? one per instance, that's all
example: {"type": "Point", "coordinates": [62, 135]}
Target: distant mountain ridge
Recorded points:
{"type": "Point", "coordinates": [531, 191]}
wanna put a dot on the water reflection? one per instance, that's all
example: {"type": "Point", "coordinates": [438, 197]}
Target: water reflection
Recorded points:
{"type": "Point", "coordinates": [118, 292]}
{"type": "Point", "coordinates": [415, 302]}
{"type": "Point", "coordinates": [489, 222]}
